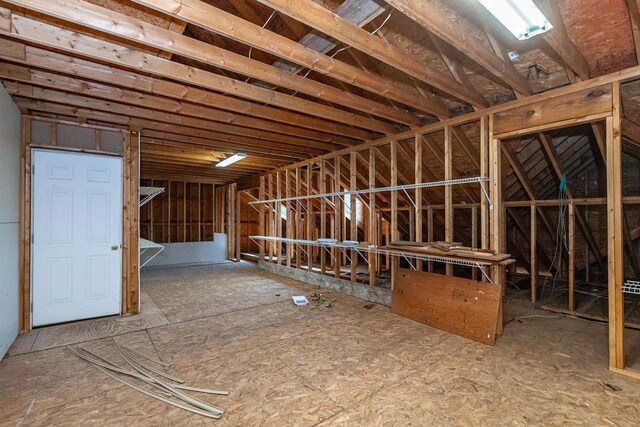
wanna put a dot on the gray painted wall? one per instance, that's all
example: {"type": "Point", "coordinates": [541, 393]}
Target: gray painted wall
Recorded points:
{"type": "Point", "coordinates": [192, 252]}
{"type": "Point", "coordinates": [9, 220]}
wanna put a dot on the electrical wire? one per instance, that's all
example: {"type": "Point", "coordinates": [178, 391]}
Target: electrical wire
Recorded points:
{"type": "Point", "coordinates": [561, 236]}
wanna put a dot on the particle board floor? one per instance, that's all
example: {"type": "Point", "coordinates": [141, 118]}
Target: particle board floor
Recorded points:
{"type": "Point", "coordinates": [231, 326]}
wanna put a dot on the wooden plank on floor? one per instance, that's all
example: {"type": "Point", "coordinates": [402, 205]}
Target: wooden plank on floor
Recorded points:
{"type": "Point", "coordinates": [461, 306]}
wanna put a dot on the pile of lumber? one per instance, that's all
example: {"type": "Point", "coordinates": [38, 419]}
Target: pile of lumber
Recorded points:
{"type": "Point", "coordinates": [449, 249]}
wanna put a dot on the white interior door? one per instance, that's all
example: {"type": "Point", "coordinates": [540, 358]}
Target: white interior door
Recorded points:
{"type": "Point", "coordinates": [76, 236]}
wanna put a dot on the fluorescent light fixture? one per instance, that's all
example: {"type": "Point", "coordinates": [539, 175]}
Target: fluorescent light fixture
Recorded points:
{"type": "Point", "coordinates": [521, 17]}
{"type": "Point", "coordinates": [230, 160]}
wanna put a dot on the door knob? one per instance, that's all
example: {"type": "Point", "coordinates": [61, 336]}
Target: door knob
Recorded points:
{"type": "Point", "coordinates": [114, 247]}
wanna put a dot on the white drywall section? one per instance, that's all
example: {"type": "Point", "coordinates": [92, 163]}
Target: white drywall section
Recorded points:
{"type": "Point", "coordinates": [193, 252]}
{"type": "Point", "coordinates": [9, 220]}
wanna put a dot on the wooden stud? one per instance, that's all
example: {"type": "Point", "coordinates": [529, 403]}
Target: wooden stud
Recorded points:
{"type": "Point", "coordinates": [25, 226]}
{"type": "Point", "coordinates": [418, 193]}
{"type": "Point", "coordinates": [323, 215]}
{"type": "Point", "coordinates": [289, 223]}
{"type": "Point", "coordinates": [394, 210]}
{"type": "Point", "coordinates": [615, 235]}
{"type": "Point", "coordinates": [571, 232]}
{"type": "Point", "coordinates": [261, 223]}
{"type": "Point", "coordinates": [310, 217]}
{"type": "Point", "coordinates": [338, 216]}
{"type": "Point", "coordinates": [430, 233]}
{"type": "Point", "coordinates": [278, 214]}
{"type": "Point", "coordinates": [373, 220]}
{"type": "Point", "coordinates": [299, 230]}
{"type": "Point", "coordinates": [534, 259]}
{"type": "Point", "coordinates": [238, 223]}
{"type": "Point", "coordinates": [484, 172]}
{"type": "Point", "coordinates": [353, 168]}
{"type": "Point", "coordinates": [448, 192]}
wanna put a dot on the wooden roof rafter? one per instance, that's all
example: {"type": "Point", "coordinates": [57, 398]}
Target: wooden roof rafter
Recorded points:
{"type": "Point", "coordinates": [27, 29]}
{"type": "Point", "coordinates": [99, 19]}
{"type": "Point", "coordinates": [213, 19]}
{"type": "Point", "coordinates": [327, 22]}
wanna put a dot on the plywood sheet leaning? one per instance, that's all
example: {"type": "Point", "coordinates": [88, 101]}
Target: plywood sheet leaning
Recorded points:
{"type": "Point", "coordinates": [461, 306]}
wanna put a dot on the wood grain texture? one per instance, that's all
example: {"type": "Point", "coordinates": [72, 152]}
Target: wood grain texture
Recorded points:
{"type": "Point", "coordinates": [461, 306]}
{"type": "Point", "coordinates": [583, 104]}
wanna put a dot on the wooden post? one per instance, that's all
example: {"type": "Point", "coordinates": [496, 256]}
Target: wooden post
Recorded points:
{"type": "Point", "coordinates": [323, 215]}
{"type": "Point", "coordinates": [238, 223]}
{"type": "Point", "coordinates": [615, 235]}
{"type": "Point", "coordinates": [289, 224]}
{"type": "Point", "coordinates": [310, 225]}
{"type": "Point", "coordinates": [484, 172]}
{"type": "Point", "coordinates": [394, 210]}
{"type": "Point", "coordinates": [373, 220]}
{"type": "Point", "coordinates": [572, 279]}
{"type": "Point", "coordinates": [299, 229]}
{"type": "Point", "coordinates": [25, 227]}
{"type": "Point", "coordinates": [496, 214]}
{"type": "Point", "coordinates": [134, 224]}
{"type": "Point", "coordinates": [430, 234]}
{"type": "Point", "coordinates": [353, 169]}
{"type": "Point", "coordinates": [278, 215]}
{"type": "Point", "coordinates": [534, 258]}
{"type": "Point", "coordinates": [261, 224]}
{"type": "Point", "coordinates": [448, 192]}
{"type": "Point", "coordinates": [418, 195]}
{"type": "Point", "coordinates": [338, 215]}
{"type": "Point", "coordinates": [474, 237]}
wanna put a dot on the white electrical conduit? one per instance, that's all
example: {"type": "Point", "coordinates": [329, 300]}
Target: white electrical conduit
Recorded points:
{"type": "Point", "coordinates": [149, 358]}
{"type": "Point", "coordinates": [192, 400]}
{"type": "Point", "coordinates": [148, 393]}
{"type": "Point", "coordinates": [152, 370]}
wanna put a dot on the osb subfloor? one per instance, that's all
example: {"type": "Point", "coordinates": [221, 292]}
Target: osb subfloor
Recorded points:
{"type": "Point", "coordinates": [231, 326]}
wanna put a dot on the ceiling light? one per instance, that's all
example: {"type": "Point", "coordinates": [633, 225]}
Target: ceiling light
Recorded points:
{"type": "Point", "coordinates": [521, 17]}
{"type": "Point", "coordinates": [230, 160]}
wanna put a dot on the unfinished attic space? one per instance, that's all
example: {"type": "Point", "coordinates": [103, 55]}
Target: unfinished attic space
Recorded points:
{"type": "Point", "coordinates": [319, 212]}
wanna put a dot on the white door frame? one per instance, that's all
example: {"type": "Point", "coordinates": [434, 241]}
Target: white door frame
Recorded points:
{"type": "Point", "coordinates": [122, 228]}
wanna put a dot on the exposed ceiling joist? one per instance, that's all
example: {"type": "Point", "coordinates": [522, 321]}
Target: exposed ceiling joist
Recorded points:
{"type": "Point", "coordinates": [27, 29]}
{"type": "Point", "coordinates": [101, 19]}
{"type": "Point", "coordinates": [324, 20]}
{"type": "Point", "coordinates": [431, 17]}
{"type": "Point", "coordinates": [214, 119]}
{"type": "Point", "coordinates": [289, 122]}
{"type": "Point", "coordinates": [216, 20]}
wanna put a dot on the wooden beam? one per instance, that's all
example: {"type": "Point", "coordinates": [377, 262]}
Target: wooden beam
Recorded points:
{"type": "Point", "coordinates": [634, 15]}
{"type": "Point", "coordinates": [100, 19]}
{"type": "Point", "coordinates": [431, 17]}
{"type": "Point", "coordinates": [353, 222]}
{"type": "Point", "coordinates": [92, 71]}
{"type": "Point", "coordinates": [533, 241]}
{"type": "Point", "coordinates": [558, 39]}
{"type": "Point", "coordinates": [54, 37]}
{"type": "Point", "coordinates": [418, 193]}
{"type": "Point", "coordinates": [572, 257]}
{"type": "Point", "coordinates": [81, 86]}
{"type": "Point", "coordinates": [393, 171]}
{"type": "Point", "coordinates": [373, 221]}
{"type": "Point", "coordinates": [221, 22]}
{"type": "Point", "coordinates": [615, 269]}
{"type": "Point", "coordinates": [323, 20]}
{"type": "Point", "coordinates": [147, 112]}
{"type": "Point", "coordinates": [448, 192]}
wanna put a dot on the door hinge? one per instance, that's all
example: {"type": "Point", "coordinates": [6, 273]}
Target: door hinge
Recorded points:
{"type": "Point", "coordinates": [32, 239]}
{"type": "Point", "coordinates": [33, 169]}
{"type": "Point", "coordinates": [31, 307]}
